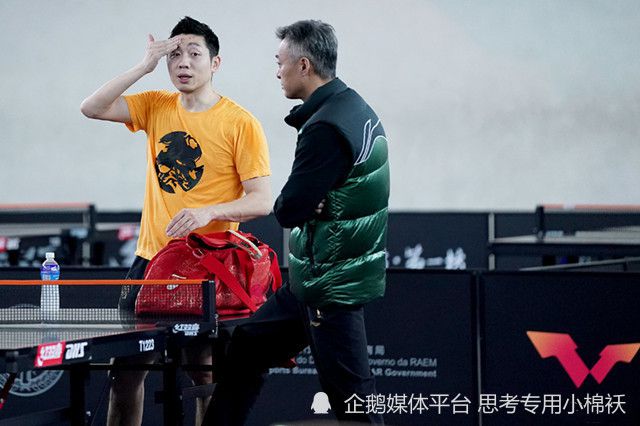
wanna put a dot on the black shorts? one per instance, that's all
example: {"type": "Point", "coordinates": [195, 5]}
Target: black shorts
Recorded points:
{"type": "Point", "coordinates": [128, 293]}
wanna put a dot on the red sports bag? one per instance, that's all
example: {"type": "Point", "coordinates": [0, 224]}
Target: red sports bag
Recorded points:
{"type": "Point", "coordinates": [243, 267]}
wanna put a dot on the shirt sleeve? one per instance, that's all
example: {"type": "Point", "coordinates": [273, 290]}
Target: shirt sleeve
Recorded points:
{"type": "Point", "coordinates": [322, 161]}
{"type": "Point", "coordinates": [251, 151]}
{"type": "Point", "coordinates": [139, 110]}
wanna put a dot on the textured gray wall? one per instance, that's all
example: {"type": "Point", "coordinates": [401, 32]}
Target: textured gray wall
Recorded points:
{"type": "Point", "coordinates": [489, 104]}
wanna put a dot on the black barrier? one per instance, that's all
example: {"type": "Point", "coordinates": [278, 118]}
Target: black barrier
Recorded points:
{"type": "Point", "coordinates": [563, 342]}
{"type": "Point", "coordinates": [450, 240]}
{"type": "Point", "coordinates": [112, 239]}
{"type": "Point", "coordinates": [28, 231]}
{"type": "Point", "coordinates": [555, 222]}
{"type": "Point", "coordinates": [560, 348]}
{"type": "Point", "coordinates": [115, 247]}
{"type": "Point", "coordinates": [117, 234]}
{"type": "Point", "coordinates": [446, 240]}
{"type": "Point", "coordinates": [421, 339]}
{"type": "Point", "coordinates": [627, 264]}
{"type": "Point", "coordinates": [116, 237]}
{"type": "Point", "coordinates": [510, 224]}
{"type": "Point", "coordinates": [96, 296]}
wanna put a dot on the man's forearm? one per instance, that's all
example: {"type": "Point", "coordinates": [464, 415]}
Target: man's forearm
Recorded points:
{"type": "Point", "coordinates": [251, 206]}
{"type": "Point", "coordinates": [292, 211]}
{"type": "Point", "coordinates": [102, 103]}
{"type": "Point", "coordinates": [102, 99]}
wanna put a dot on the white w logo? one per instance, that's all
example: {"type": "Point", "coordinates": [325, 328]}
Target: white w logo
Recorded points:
{"type": "Point", "coordinates": [367, 145]}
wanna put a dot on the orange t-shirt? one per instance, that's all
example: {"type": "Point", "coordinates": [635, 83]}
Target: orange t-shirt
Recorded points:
{"type": "Point", "coordinates": [194, 159]}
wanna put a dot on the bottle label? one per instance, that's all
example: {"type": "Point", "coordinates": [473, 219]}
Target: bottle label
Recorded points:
{"type": "Point", "coordinates": [50, 273]}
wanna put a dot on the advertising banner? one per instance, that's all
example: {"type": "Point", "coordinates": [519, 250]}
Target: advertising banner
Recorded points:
{"type": "Point", "coordinates": [560, 348]}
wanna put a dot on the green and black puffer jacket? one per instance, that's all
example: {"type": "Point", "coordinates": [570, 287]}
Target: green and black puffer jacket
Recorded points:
{"type": "Point", "coordinates": [340, 259]}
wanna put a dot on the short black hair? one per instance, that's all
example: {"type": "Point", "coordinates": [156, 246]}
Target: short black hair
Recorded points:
{"type": "Point", "coordinates": [188, 25]}
{"type": "Point", "coordinates": [315, 40]}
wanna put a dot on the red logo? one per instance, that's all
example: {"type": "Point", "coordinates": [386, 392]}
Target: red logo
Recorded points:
{"type": "Point", "coordinates": [563, 348]}
{"type": "Point", "coordinates": [49, 354]}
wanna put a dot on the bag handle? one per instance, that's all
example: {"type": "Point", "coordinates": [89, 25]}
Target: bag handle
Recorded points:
{"type": "Point", "coordinates": [275, 270]}
{"type": "Point", "coordinates": [215, 267]}
{"type": "Point", "coordinates": [274, 267]}
{"type": "Point", "coordinates": [256, 251]}
{"type": "Point", "coordinates": [247, 262]}
{"type": "Point", "coordinates": [220, 240]}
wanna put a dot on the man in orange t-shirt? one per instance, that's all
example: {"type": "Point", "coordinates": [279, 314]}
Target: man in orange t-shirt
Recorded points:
{"type": "Point", "coordinates": [207, 168]}
{"type": "Point", "coordinates": [195, 159]}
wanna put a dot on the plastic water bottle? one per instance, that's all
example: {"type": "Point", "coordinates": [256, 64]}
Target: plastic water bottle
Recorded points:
{"type": "Point", "coordinates": [49, 294]}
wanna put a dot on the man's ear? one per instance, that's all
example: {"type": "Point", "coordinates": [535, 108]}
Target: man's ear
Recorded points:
{"type": "Point", "coordinates": [305, 66]}
{"type": "Point", "coordinates": [215, 63]}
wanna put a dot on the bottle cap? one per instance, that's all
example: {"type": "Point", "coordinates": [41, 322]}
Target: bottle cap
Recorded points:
{"type": "Point", "coordinates": [50, 255]}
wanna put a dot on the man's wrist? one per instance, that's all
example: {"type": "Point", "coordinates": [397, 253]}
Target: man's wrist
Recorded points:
{"type": "Point", "coordinates": [141, 69]}
{"type": "Point", "coordinates": [211, 213]}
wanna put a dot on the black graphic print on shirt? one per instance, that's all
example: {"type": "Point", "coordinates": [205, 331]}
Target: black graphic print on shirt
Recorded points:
{"type": "Point", "coordinates": [177, 162]}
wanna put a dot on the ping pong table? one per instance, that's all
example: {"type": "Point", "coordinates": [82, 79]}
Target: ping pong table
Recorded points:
{"type": "Point", "coordinates": [81, 340]}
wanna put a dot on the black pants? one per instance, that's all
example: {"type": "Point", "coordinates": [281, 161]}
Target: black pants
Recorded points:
{"type": "Point", "coordinates": [280, 329]}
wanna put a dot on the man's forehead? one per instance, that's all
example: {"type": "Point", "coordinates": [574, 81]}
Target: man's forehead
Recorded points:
{"type": "Point", "coordinates": [192, 39]}
{"type": "Point", "coordinates": [283, 50]}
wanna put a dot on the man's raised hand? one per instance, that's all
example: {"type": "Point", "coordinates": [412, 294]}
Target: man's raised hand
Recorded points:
{"type": "Point", "coordinates": [157, 49]}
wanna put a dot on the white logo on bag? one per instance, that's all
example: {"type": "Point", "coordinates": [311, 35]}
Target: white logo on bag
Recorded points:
{"type": "Point", "coordinates": [175, 277]}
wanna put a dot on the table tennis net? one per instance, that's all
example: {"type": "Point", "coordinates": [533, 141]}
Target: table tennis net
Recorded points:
{"type": "Point", "coordinates": [16, 336]}
{"type": "Point", "coordinates": [78, 302]}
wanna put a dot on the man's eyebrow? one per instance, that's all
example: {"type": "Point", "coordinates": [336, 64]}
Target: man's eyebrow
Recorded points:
{"type": "Point", "coordinates": [192, 44]}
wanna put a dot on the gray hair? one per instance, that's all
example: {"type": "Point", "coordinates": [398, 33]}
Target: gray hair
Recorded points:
{"type": "Point", "coordinates": [314, 40]}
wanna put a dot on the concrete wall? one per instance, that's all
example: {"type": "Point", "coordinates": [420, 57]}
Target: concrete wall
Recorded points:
{"type": "Point", "coordinates": [488, 104]}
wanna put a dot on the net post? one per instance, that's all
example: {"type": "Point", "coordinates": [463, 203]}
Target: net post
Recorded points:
{"type": "Point", "coordinates": [540, 227]}
{"type": "Point", "coordinates": [208, 301]}
{"type": "Point", "coordinates": [90, 218]}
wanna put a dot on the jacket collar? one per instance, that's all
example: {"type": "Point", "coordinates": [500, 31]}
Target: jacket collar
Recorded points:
{"type": "Point", "coordinates": [301, 113]}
